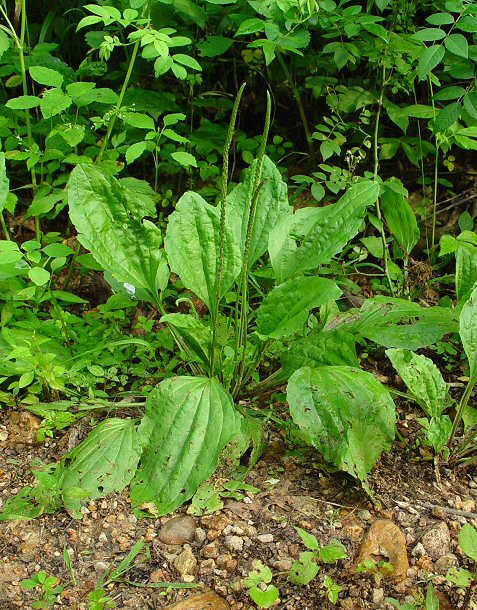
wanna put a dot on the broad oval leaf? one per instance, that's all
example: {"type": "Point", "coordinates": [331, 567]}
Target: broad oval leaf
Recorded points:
{"type": "Point", "coordinates": [188, 422]}
{"type": "Point", "coordinates": [320, 349]}
{"type": "Point", "coordinates": [422, 378]}
{"type": "Point", "coordinates": [465, 270]}
{"type": "Point", "coordinates": [448, 116]}
{"type": "Point", "coordinates": [108, 225]}
{"type": "Point", "coordinates": [197, 335]}
{"type": "Point", "coordinates": [400, 218]}
{"type": "Point", "coordinates": [104, 462]}
{"type": "Point", "coordinates": [468, 541]}
{"type": "Point", "coordinates": [272, 205]}
{"type": "Point", "coordinates": [311, 236]}
{"type": "Point", "coordinates": [346, 413]}
{"type": "Point", "coordinates": [457, 45]}
{"type": "Point", "coordinates": [430, 58]}
{"type": "Point", "coordinates": [468, 331]}
{"type": "Point", "coordinates": [192, 244]}
{"type": "Point", "coordinates": [285, 309]}
{"type": "Point", "coordinates": [395, 322]}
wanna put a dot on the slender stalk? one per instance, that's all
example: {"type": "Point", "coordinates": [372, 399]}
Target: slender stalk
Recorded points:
{"type": "Point", "coordinates": [5, 230]}
{"type": "Point", "coordinates": [376, 169]}
{"type": "Point", "coordinates": [242, 309]}
{"type": "Point", "coordinates": [436, 175]}
{"type": "Point", "coordinates": [72, 266]}
{"type": "Point", "coordinates": [120, 100]}
{"type": "Point", "coordinates": [464, 401]}
{"type": "Point", "coordinates": [301, 109]}
{"type": "Point", "coordinates": [223, 201]}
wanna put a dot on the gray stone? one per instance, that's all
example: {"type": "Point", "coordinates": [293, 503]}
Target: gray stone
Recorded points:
{"type": "Point", "coordinates": [444, 563]}
{"type": "Point", "coordinates": [378, 595]}
{"type": "Point", "coordinates": [178, 530]}
{"type": "Point", "coordinates": [233, 543]}
{"type": "Point", "coordinates": [436, 540]}
{"type": "Point", "coordinates": [265, 538]}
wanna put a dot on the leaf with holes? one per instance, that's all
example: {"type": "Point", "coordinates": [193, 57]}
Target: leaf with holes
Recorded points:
{"type": "Point", "coordinates": [312, 236]}
{"type": "Point", "coordinates": [104, 462]}
{"type": "Point", "coordinates": [422, 378]}
{"type": "Point", "coordinates": [188, 422]}
{"type": "Point", "coordinates": [346, 413]}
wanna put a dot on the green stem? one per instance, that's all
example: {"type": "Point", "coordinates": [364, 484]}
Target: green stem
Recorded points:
{"type": "Point", "coordinates": [436, 175]}
{"type": "Point", "coordinates": [223, 201]}
{"type": "Point", "coordinates": [301, 109]}
{"type": "Point", "coordinates": [72, 266]}
{"type": "Point", "coordinates": [6, 233]}
{"type": "Point", "coordinates": [464, 401]}
{"type": "Point", "coordinates": [376, 169]}
{"type": "Point", "coordinates": [120, 100]}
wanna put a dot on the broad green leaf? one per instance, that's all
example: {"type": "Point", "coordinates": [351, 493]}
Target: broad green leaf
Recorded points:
{"type": "Point", "coordinates": [400, 218]}
{"type": "Point", "coordinates": [46, 76]}
{"type": "Point", "coordinates": [449, 93]}
{"type": "Point", "coordinates": [212, 46]}
{"type": "Point", "coordinates": [184, 158]}
{"type": "Point", "coordinates": [382, 4]}
{"type": "Point", "coordinates": [4, 42]}
{"type": "Point", "coordinates": [304, 569]}
{"type": "Point", "coordinates": [53, 102]}
{"type": "Point", "coordinates": [104, 462]}
{"type": "Point", "coordinates": [470, 104]}
{"type": "Point", "coordinates": [192, 244]}
{"type": "Point", "coordinates": [347, 414]}
{"type": "Point", "coordinates": [320, 349]}
{"type": "Point", "coordinates": [333, 552]}
{"type": "Point", "coordinates": [108, 226]}
{"type": "Point", "coordinates": [188, 61]}
{"type": "Point", "coordinates": [429, 59]}
{"type": "Point", "coordinates": [250, 26]}
{"type": "Point", "coordinates": [438, 431]}
{"type": "Point", "coordinates": [308, 539]}
{"type": "Point", "coordinates": [196, 334]}
{"type": "Point", "coordinates": [429, 34]}
{"type": "Point", "coordinates": [465, 270]}
{"type": "Point", "coordinates": [187, 424]}
{"type": "Point", "coordinates": [135, 151]}
{"type": "Point", "coordinates": [39, 276]}
{"type": "Point", "coordinates": [440, 19]}
{"type": "Point", "coordinates": [139, 120]}
{"type": "Point", "coordinates": [468, 541]}
{"type": "Point", "coordinates": [448, 116]}
{"type": "Point", "coordinates": [23, 102]}
{"type": "Point", "coordinates": [285, 309]}
{"type": "Point", "coordinates": [272, 205]}
{"type": "Point", "coordinates": [4, 182]}
{"type": "Point", "coordinates": [398, 323]}
{"type": "Point", "coordinates": [422, 378]}
{"type": "Point", "coordinates": [457, 44]}
{"type": "Point", "coordinates": [468, 331]}
{"type": "Point", "coordinates": [264, 598]}
{"type": "Point", "coordinates": [312, 236]}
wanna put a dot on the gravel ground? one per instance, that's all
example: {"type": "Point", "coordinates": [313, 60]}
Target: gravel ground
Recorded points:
{"type": "Point", "coordinates": [217, 552]}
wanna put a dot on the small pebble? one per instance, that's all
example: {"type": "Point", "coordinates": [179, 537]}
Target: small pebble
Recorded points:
{"type": "Point", "coordinates": [265, 538]}
{"type": "Point", "coordinates": [233, 543]}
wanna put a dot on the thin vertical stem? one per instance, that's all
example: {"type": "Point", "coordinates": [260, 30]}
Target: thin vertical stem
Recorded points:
{"type": "Point", "coordinates": [6, 233]}
{"type": "Point", "coordinates": [120, 100]}
{"type": "Point", "coordinates": [223, 201]}
{"type": "Point", "coordinates": [376, 169]}
{"type": "Point", "coordinates": [301, 109]}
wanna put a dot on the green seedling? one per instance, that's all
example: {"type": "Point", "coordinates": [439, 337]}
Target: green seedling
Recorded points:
{"type": "Point", "coordinates": [431, 602]}
{"type": "Point", "coordinates": [98, 600]}
{"type": "Point", "coordinates": [48, 588]}
{"type": "Point", "coordinates": [263, 593]}
{"type": "Point", "coordinates": [305, 569]}
{"type": "Point", "coordinates": [331, 589]}
{"type": "Point", "coordinates": [377, 569]}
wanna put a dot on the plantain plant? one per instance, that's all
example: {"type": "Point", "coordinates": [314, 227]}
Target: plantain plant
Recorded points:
{"type": "Point", "coordinates": [254, 263]}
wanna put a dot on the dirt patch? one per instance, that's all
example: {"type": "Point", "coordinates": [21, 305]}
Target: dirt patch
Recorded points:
{"type": "Point", "coordinates": [295, 491]}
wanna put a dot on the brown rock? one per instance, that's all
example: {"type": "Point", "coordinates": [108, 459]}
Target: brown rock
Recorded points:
{"type": "Point", "coordinates": [178, 530]}
{"type": "Point", "coordinates": [203, 601]}
{"type": "Point", "coordinates": [210, 551]}
{"type": "Point", "coordinates": [384, 541]}
{"type": "Point", "coordinates": [186, 563]}
{"type": "Point", "coordinates": [23, 427]}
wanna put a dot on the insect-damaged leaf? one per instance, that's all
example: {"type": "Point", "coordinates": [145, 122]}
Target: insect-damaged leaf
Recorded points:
{"type": "Point", "coordinates": [311, 236]}
{"type": "Point", "coordinates": [104, 462]}
{"type": "Point", "coordinates": [188, 422]}
{"type": "Point", "coordinates": [346, 413]}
